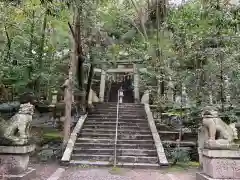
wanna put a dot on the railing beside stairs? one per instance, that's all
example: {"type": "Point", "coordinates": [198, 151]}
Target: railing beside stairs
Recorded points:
{"type": "Point", "coordinates": [116, 134]}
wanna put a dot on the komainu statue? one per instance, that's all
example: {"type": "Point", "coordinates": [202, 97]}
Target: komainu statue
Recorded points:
{"type": "Point", "coordinates": [214, 133]}
{"type": "Point", "coordinates": [16, 130]}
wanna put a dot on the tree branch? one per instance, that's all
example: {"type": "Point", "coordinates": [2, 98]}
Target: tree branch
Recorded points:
{"type": "Point", "coordinates": [72, 31]}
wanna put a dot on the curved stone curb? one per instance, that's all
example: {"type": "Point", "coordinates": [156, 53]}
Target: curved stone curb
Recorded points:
{"type": "Point", "coordinates": [160, 150]}
{"type": "Point", "coordinates": [70, 145]}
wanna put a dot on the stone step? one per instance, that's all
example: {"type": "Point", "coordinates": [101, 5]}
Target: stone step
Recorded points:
{"type": "Point", "coordinates": [138, 165]}
{"type": "Point", "coordinates": [110, 158]}
{"type": "Point", "coordinates": [174, 135]}
{"type": "Point", "coordinates": [120, 108]}
{"type": "Point", "coordinates": [189, 136]}
{"type": "Point", "coordinates": [137, 159]}
{"type": "Point", "coordinates": [133, 120]}
{"type": "Point", "coordinates": [131, 108]}
{"type": "Point", "coordinates": [120, 114]}
{"type": "Point", "coordinates": [111, 141]}
{"type": "Point", "coordinates": [97, 135]}
{"type": "Point", "coordinates": [135, 141]}
{"type": "Point", "coordinates": [120, 119]}
{"type": "Point", "coordinates": [136, 152]}
{"type": "Point", "coordinates": [163, 127]}
{"type": "Point", "coordinates": [128, 131]}
{"type": "Point", "coordinates": [93, 157]}
{"type": "Point", "coordinates": [111, 123]}
{"type": "Point", "coordinates": [168, 135]}
{"type": "Point", "coordinates": [81, 150]}
{"type": "Point", "coordinates": [114, 109]}
{"type": "Point", "coordinates": [95, 140]}
{"type": "Point", "coordinates": [182, 143]}
{"type": "Point", "coordinates": [91, 163]}
{"type": "Point", "coordinates": [120, 152]}
{"type": "Point", "coordinates": [112, 136]}
{"type": "Point", "coordinates": [135, 137]}
{"type": "Point", "coordinates": [111, 145]}
{"type": "Point", "coordinates": [107, 164]}
{"type": "Point", "coordinates": [120, 104]}
{"type": "Point", "coordinates": [127, 116]}
{"type": "Point", "coordinates": [113, 126]}
{"type": "Point", "coordinates": [139, 123]}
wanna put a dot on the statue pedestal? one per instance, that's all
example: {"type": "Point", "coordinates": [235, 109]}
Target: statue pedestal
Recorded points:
{"type": "Point", "coordinates": [14, 162]}
{"type": "Point", "coordinates": [220, 165]}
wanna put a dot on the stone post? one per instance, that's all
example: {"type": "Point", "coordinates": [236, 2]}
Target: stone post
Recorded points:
{"type": "Point", "coordinates": [121, 95]}
{"type": "Point", "coordinates": [102, 85]}
{"type": "Point", "coordinates": [90, 99]}
{"type": "Point", "coordinates": [159, 87]}
{"type": "Point", "coordinates": [185, 99]}
{"type": "Point", "coordinates": [211, 98]}
{"type": "Point", "coordinates": [227, 90]}
{"type": "Point", "coordinates": [170, 91]}
{"type": "Point", "coordinates": [136, 84]}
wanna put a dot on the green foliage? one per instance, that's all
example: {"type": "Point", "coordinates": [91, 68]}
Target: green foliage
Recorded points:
{"type": "Point", "coordinates": [199, 48]}
{"type": "Point", "coordinates": [194, 46]}
{"type": "Point", "coordinates": [180, 155]}
{"type": "Point", "coordinates": [177, 155]}
{"type": "Point", "coordinates": [21, 38]}
{"type": "Point", "coordinates": [52, 136]}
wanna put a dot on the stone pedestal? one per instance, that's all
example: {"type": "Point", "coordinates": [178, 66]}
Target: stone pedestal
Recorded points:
{"type": "Point", "coordinates": [14, 162]}
{"type": "Point", "coordinates": [220, 165]}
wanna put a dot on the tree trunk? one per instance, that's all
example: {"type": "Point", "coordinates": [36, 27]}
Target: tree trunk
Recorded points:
{"type": "Point", "coordinates": [68, 107]}
{"type": "Point", "coordinates": [200, 81]}
{"type": "Point", "coordinates": [40, 52]}
{"type": "Point", "coordinates": [221, 84]}
{"type": "Point", "coordinates": [9, 44]}
{"type": "Point", "coordinates": [80, 58]}
{"type": "Point", "coordinates": [68, 94]}
{"type": "Point", "coordinates": [31, 34]}
{"type": "Point", "coordinates": [30, 66]}
{"type": "Point", "coordinates": [68, 88]}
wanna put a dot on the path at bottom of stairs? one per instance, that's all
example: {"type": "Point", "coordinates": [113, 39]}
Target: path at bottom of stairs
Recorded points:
{"type": "Point", "coordinates": [75, 173]}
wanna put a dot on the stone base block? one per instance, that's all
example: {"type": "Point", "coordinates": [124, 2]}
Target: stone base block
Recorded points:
{"type": "Point", "coordinates": [14, 163]}
{"type": "Point", "coordinates": [221, 164]}
{"type": "Point", "coordinates": [15, 159]}
{"type": "Point", "coordinates": [201, 176]}
{"type": "Point", "coordinates": [29, 174]}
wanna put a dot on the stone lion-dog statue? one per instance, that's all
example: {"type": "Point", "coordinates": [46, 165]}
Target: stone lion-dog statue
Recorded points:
{"type": "Point", "coordinates": [16, 130]}
{"type": "Point", "coordinates": [214, 133]}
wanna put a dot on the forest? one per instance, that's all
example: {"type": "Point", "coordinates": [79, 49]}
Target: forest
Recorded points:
{"type": "Point", "coordinates": [192, 44]}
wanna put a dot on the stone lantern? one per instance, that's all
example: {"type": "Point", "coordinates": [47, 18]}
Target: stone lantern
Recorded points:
{"type": "Point", "coordinates": [121, 95]}
{"type": "Point", "coordinates": [54, 97]}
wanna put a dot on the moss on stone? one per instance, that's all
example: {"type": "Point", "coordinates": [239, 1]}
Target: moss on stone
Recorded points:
{"type": "Point", "coordinates": [52, 136]}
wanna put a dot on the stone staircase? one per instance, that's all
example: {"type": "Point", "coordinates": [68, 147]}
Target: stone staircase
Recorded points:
{"type": "Point", "coordinates": [135, 145]}
{"type": "Point", "coordinates": [169, 137]}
